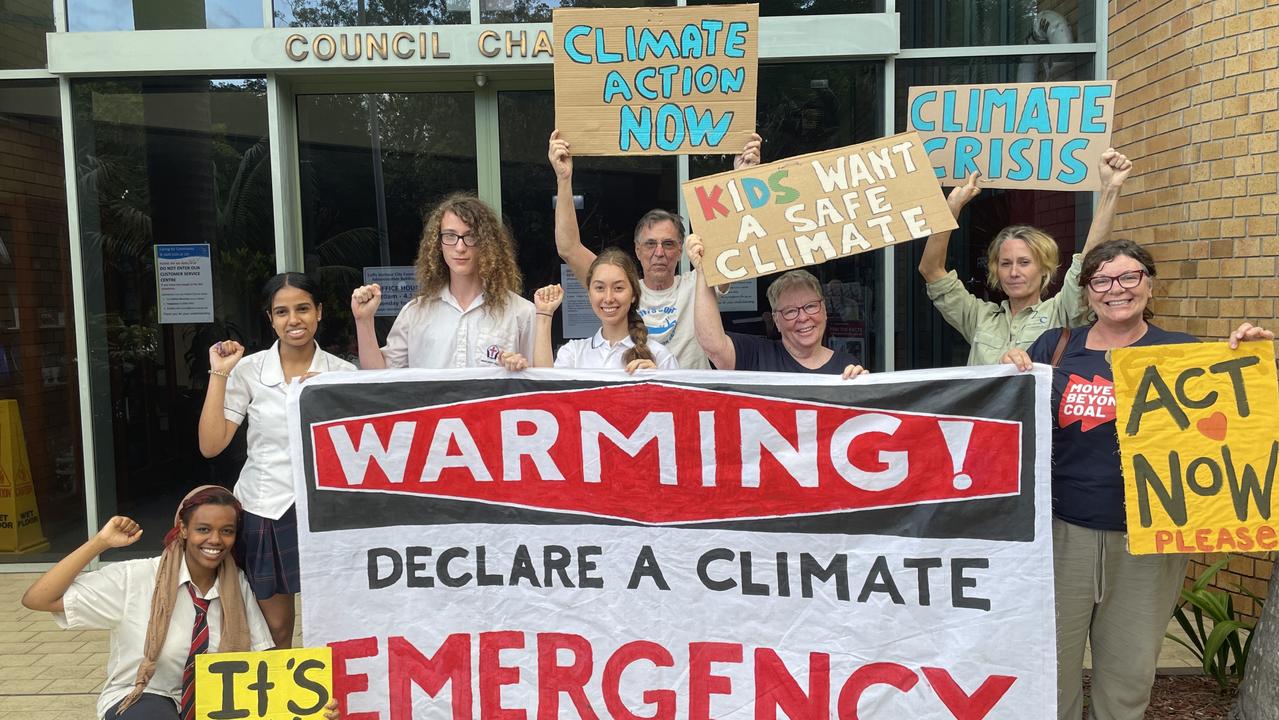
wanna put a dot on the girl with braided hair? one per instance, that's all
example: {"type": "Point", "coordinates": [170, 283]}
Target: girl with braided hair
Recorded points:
{"type": "Point", "coordinates": [151, 606]}
{"type": "Point", "coordinates": [622, 340]}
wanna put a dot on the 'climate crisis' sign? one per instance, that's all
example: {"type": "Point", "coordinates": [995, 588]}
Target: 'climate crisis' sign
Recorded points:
{"type": "Point", "coordinates": [1046, 136]}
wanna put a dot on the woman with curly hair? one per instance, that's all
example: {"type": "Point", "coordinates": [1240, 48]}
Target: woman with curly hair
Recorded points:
{"type": "Point", "coordinates": [468, 312]}
{"type": "Point", "coordinates": [622, 341]}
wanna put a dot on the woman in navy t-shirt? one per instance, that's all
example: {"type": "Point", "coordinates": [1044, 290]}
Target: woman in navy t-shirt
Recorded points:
{"type": "Point", "coordinates": [1119, 602]}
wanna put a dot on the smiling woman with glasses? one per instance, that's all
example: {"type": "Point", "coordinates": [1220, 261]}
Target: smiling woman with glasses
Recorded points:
{"type": "Point", "coordinates": [468, 312]}
{"type": "Point", "coordinates": [800, 314]}
{"type": "Point", "coordinates": [1120, 603]}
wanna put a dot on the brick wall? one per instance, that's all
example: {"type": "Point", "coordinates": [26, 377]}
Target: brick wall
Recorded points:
{"type": "Point", "coordinates": [1197, 111]}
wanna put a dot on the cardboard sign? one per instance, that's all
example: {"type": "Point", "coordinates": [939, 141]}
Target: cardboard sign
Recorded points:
{"type": "Point", "coordinates": [812, 208]}
{"type": "Point", "coordinates": [656, 81]}
{"type": "Point", "coordinates": [269, 685]}
{"type": "Point", "coordinates": [1045, 136]}
{"type": "Point", "coordinates": [571, 544]}
{"type": "Point", "coordinates": [1198, 432]}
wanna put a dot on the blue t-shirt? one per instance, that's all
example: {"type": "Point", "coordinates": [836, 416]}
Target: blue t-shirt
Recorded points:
{"type": "Point", "coordinates": [768, 355]}
{"type": "Point", "coordinates": [1088, 485]}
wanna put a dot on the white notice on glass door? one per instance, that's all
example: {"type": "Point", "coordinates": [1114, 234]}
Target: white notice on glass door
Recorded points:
{"type": "Point", "coordinates": [579, 318]}
{"type": "Point", "coordinates": [184, 283]}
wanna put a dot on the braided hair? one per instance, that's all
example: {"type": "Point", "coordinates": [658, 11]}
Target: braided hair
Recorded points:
{"type": "Point", "coordinates": [635, 326]}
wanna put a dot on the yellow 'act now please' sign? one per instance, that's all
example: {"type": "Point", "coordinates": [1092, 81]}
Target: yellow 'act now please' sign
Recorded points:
{"type": "Point", "coordinates": [1198, 432]}
{"type": "Point", "coordinates": [270, 685]}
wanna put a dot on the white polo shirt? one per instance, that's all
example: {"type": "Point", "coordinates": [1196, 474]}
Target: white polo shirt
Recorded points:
{"type": "Point", "coordinates": [669, 316]}
{"type": "Point", "coordinates": [118, 598]}
{"type": "Point", "coordinates": [594, 352]}
{"type": "Point", "coordinates": [439, 333]}
{"type": "Point", "coordinates": [257, 390]}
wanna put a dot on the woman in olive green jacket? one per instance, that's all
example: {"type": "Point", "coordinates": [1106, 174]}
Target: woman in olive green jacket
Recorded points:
{"type": "Point", "coordinates": [1021, 261]}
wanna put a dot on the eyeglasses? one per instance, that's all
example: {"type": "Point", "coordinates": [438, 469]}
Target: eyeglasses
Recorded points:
{"type": "Point", "coordinates": [448, 237]}
{"type": "Point", "coordinates": [1128, 281]}
{"type": "Point", "coordinates": [650, 246]}
{"type": "Point", "coordinates": [811, 308]}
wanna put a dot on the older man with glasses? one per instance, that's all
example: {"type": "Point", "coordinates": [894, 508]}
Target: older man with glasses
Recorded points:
{"type": "Point", "coordinates": [800, 314]}
{"type": "Point", "coordinates": [666, 296]}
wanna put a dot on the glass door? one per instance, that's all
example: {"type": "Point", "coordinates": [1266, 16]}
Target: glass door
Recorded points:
{"type": "Point", "coordinates": [371, 164]}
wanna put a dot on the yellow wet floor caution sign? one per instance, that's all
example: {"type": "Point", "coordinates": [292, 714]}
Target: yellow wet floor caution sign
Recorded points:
{"type": "Point", "coordinates": [19, 516]}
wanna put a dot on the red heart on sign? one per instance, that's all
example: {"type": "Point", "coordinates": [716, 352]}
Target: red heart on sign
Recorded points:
{"type": "Point", "coordinates": [1213, 427]}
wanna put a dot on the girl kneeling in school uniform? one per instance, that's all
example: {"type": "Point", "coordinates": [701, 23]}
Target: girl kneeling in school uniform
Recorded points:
{"type": "Point", "coordinates": [161, 611]}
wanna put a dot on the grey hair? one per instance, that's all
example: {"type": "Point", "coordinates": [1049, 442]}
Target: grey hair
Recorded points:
{"type": "Point", "coordinates": [791, 280]}
{"type": "Point", "coordinates": [653, 217]}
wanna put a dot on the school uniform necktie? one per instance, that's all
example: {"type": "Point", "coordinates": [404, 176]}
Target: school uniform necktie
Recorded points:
{"type": "Point", "coordinates": [199, 644]}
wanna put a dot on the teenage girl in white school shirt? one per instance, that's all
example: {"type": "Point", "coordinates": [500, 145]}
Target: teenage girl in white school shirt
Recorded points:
{"type": "Point", "coordinates": [622, 341]}
{"type": "Point", "coordinates": [149, 605]}
{"type": "Point", "coordinates": [255, 388]}
{"type": "Point", "coordinates": [468, 312]}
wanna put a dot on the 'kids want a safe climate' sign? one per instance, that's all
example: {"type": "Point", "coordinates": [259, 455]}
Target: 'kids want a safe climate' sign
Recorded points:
{"type": "Point", "coordinates": [809, 209]}
{"type": "Point", "coordinates": [656, 81]}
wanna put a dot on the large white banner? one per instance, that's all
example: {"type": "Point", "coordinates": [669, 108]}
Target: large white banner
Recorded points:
{"type": "Point", "coordinates": [582, 544]}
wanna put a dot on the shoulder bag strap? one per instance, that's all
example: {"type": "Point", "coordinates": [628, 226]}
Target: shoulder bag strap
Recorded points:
{"type": "Point", "coordinates": [1061, 346]}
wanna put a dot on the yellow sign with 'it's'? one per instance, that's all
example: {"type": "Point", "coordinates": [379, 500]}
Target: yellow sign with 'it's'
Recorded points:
{"type": "Point", "coordinates": [270, 685]}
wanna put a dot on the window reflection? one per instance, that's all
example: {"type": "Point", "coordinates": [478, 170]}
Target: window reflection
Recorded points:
{"type": "Point", "coordinates": [166, 161]}
{"type": "Point", "coordinates": [615, 191]}
{"type": "Point", "coordinates": [803, 108]}
{"type": "Point", "coordinates": [371, 166]}
{"type": "Point", "coordinates": [22, 29]}
{"type": "Point", "coordinates": [37, 342]}
{"type": "Point", "coordinates": [965, 23]}
{"type": "Point", "coordinates": [925, 340]}
{"type": "Point", "coordinates": [506, 11]}
{"type": "Point", "coordinates": [351, 13]}
{"type": "Point", "coordinates": [98, 15]}
{"type": "Point", "coordinates": [774, 8]}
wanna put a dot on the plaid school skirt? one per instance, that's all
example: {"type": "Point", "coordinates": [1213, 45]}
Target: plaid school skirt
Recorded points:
{"type": "Point", "coordinates": [270, 552]}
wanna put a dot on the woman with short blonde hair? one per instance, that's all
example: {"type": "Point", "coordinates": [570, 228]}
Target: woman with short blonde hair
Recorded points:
{"type": "Point", "coordinates": [1021, 262]}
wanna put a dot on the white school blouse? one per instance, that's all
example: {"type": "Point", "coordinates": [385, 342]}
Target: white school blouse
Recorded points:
{"type": "Point", "coordinates": [257, 390]}
{"type": "Point", "coordinates": [438, 333]}
{"type": "Point", "coordinates": [594, 352]}
{"type": "Point", "coordinates": [118, 598]}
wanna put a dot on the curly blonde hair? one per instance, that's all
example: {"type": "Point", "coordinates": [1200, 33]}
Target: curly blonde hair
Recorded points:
{"type": "Point", "coordinates": [495, 251]}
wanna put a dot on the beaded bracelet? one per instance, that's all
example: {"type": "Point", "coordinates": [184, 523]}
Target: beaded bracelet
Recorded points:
{"type": "Point", "coordinates": [219, 373]}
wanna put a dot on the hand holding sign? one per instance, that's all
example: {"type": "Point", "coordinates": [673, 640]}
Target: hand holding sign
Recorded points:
{"type": "Point", "coordinates": [961, 195]}
{"type": "Point", "coordinates": [561, 159]}
{"type": "Point", "coordinates": [749, 156]}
